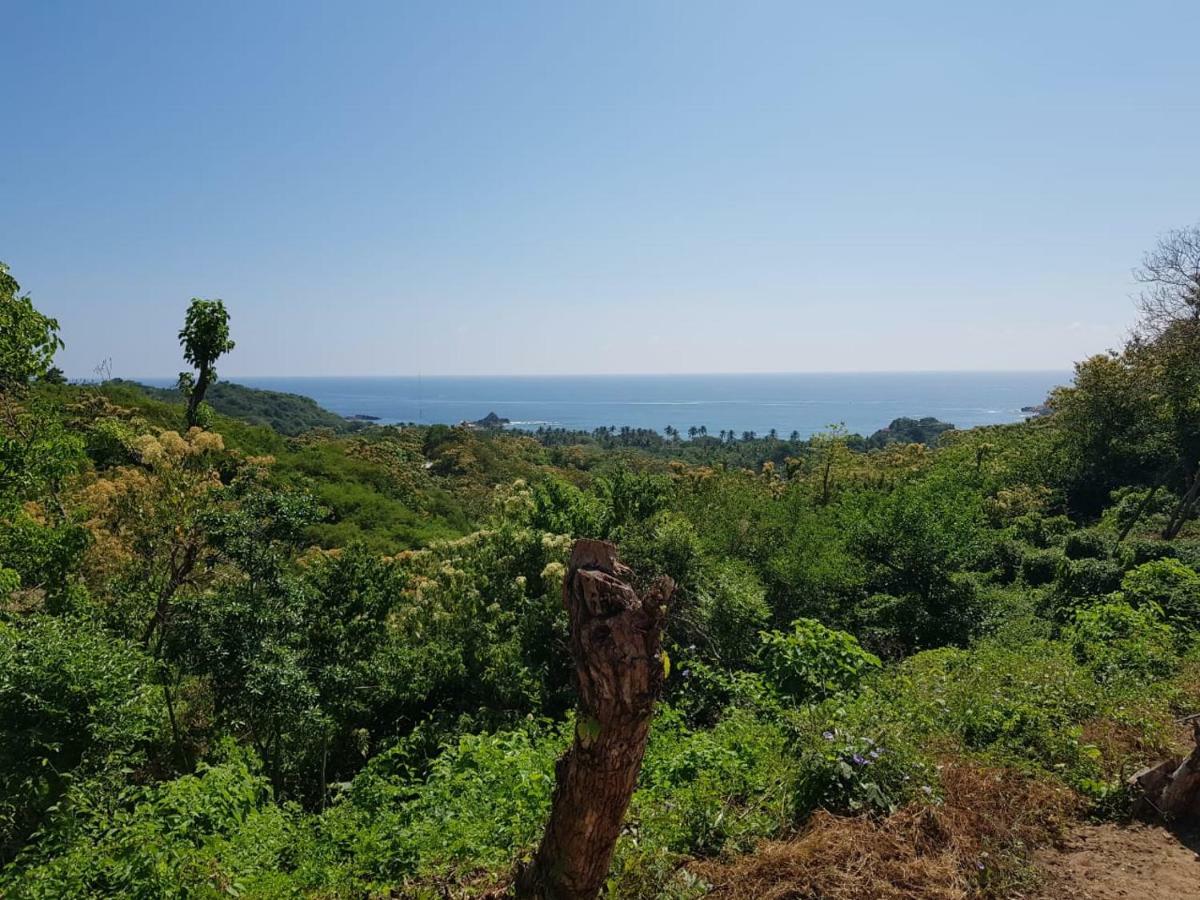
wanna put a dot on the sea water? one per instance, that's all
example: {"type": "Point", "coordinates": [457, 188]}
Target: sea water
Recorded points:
{"type": "Point", "coordinates": [807, 403]}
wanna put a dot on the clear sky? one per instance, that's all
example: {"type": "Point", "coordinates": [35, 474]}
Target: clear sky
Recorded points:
{"type": "Point", "coordinates": [562, 187]}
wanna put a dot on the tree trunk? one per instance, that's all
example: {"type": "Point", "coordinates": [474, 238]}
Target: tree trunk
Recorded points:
{"type": "Point", "coordinates": [1172, 788]}
{"type": "Point", "coordinates": [1142, 507]}
{"type": "Point", "coordinates": [196, 397]}
{"type": "Point", "coordinates": [616, 643]}
{"type": "Point", "coordinates": [1183, 510]}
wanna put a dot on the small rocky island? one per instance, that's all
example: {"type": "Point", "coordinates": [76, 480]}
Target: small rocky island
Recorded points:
{"type": "Point", "coordinates": [490, 421]}
{"type": "Point", "coordinates": [909, 431]}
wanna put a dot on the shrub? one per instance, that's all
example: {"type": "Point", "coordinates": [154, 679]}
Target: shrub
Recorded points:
{"type": "Point", "coordinates": [485, 798]}
{"type": "Point", "coordinates": [705, 791]}
{"type": "Point", "coordinates": [702, 692]}
{"type": "Point", "coordinates": [812, 661]}
{"type": "Point", "coordinates": [216, 832]}
{"type": "Point", "coordinates": [1039, 567]}
{"type": "Point", "coordinates": [671, 547]}
{"type": "Point", "coordinates": [1169, 585]}
{"type": "Point", "coordinates": [1114, 640]}
{"type": "Point", "coordinates": [1086, 545]}
{"type": "Point", "coordinates": [853, 765]}
{"type": "Point", "coordinates": [1130, 502]}
{"type": "Point", "coordinates": [109, 441]}
{"type": "Point", "coordinates": [948, 611]}
{"type": "Point", "coordinates": [1041, 531]}
{"type": "Point", "coordinates": [1136, 553]}
{"type": "Point", "coordinates": [559, 507]}
{"type": "Point", "coordinates": [1019, 705]}
{"type": "Point", "coordinates": [731, 610]}
{"type": "Point", "coordinates": [72, 699]}
{"type": "Point", "coordinates": [1079, 583]}
{"type": "Point", "coordinates": [1004, 559]}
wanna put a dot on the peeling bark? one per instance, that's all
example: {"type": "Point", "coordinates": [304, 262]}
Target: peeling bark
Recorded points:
{"type": "Point", "coordinates": [1172, 788]}
{"type": "Point", "coordinates": [616, 644]}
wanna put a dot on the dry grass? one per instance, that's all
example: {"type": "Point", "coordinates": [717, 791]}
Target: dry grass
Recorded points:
{"type": "Point", "coordinates": [976, 843]}
{"type": "Point", "coordinates": [1123, 748]}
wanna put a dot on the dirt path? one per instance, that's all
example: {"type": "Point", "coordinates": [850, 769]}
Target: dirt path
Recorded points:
{"type": "Point", "coordinates": [1111, 862]}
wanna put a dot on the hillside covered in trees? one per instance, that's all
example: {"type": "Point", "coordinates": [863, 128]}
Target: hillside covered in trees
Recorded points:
{"type": "Point", "coordinates": [289, 414]}
{"type": "Point", "coordinates": [281, 662]}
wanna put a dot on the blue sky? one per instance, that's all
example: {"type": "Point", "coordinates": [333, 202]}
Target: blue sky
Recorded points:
{"type": "Point", "coordinates": [528, 188]}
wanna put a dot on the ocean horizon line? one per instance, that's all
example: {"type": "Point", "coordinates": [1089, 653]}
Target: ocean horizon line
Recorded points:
{"type": "Point", "coordinates": [765, 374]}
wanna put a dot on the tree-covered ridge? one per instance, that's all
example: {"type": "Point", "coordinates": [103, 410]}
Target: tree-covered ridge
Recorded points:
{"type": "Point", "coordinates": [926, 430]}
{"type": "Point", "coordinates": [289, 414]}
{"type": "Point", "coordinates": [235, 661]}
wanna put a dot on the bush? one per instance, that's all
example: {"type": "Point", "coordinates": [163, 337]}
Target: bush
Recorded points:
{"type": "Point", "coordinates": [1041, 531]}
{"type": "Point", "coordinates": [1079, 583]}
{"type": "Point", "coordinates": [702, 692]}
{"type": "Point", "coordinates": [1127, 504]}
{"type": "Point", "coordinates": [854, 765]}
{"type": "Point", "coordinates": [216, 832]}
{"type": "Point", "coordinates": [561, 508]}
{"type": "Point", "coordinates": [109, 442]}
{"type": "Point", "coordinates": [72, 699]}
{"type": "Point", "coordinates": [486, 798]}
{"type": "Point", "coordinates": [1039, 567]}
{"type": "Point", "coordinates": [1116, 641]}
{"type": "Point", "coordinates": [1086, 545]}
{"type": "Point", "coordinates": [665, 545]}
{"type": "Point", "coordinates": [949, 611]}
{"type": "Point", "coordinates": [1137, 553]}
{"type": "Point", "coordinates": [1169, 585]}
{"type": "Point", "coordinates": [812, 661]}
{"type": "Point", "coordinates": [1004, 559]}
{"type": "Point", "coordinates": [707, 791]}
{"type": "Point", "coordinates": [731, 611]}
{"type": "Point", "coordinates": [1021, 705]}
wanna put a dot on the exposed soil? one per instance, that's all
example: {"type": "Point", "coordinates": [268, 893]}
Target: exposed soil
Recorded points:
{"type": "Point", "coordinates": [1107, 862]}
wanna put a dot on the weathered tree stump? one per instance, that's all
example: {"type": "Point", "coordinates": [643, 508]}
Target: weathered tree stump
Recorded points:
{"type": "Point", "coordinates": [616, 644]}
{"type": "Point", "coordinates": [1172, 788]}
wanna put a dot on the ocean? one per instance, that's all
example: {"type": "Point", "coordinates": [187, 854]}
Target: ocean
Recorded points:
{"type": "Point", "coordinates": [807, 403]}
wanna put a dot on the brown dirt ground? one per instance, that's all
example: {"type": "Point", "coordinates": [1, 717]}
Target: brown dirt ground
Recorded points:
{"type": "Point", "coordinates": [1111, 862]}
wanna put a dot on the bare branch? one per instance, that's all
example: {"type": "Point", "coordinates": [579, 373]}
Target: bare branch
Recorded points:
{"type": "Point", "coordinates": [1171, 275]}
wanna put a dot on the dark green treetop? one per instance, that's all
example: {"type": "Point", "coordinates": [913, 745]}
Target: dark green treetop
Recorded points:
{"type": "Point", "coordinates": [28, 339]}
{"type": "Point", "coordinates": [204, 338]}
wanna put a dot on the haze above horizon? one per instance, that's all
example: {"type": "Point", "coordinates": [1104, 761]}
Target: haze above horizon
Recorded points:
{"type": "Point", "coordinates": [532, 189]}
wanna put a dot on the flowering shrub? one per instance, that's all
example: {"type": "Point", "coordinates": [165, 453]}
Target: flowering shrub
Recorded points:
{"type": "Point", "coordinates": [853, 765]}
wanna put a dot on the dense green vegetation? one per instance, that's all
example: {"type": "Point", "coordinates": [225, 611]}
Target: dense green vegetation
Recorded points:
{"type": "Point", "coordinates": [927, 430]}
{"type": "Point", "coordinates": [239, 661]}
{"type": "Point", "coordinates": [289, 414]}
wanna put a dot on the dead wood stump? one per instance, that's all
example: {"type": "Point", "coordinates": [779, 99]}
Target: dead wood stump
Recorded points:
{"type": "Point", "coordinates": [1172, 788]}
{"type": "Point", "coordinates": [616, 644]}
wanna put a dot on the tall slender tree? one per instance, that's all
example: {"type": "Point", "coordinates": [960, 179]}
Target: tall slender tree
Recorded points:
{"type": "Point", "coordinates": [204, 338]}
